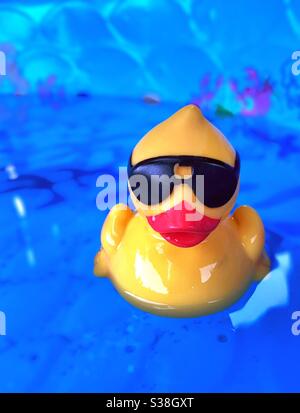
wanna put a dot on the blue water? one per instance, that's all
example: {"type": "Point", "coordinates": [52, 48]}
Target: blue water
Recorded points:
{"type": "Point", "coordinates": [69, 331]}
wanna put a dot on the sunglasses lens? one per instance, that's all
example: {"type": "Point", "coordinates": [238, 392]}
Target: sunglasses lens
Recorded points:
{"type": "Point", "coordinates": [219, 185]}
{"type": "Point", "coordinates": [140, 188]}
{"type": "Point", "coordinates": [151, 184]}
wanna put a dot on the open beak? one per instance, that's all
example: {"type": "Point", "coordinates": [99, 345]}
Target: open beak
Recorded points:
{"type": "Point", "coordinates": [183, 225]}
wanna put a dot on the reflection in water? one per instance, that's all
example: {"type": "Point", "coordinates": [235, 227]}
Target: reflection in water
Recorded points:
{"type": "Point", "coordinates": [271, 292]}
{"type": "Point", "coordinates": [30, 257]}
{"type": "Point", "coordinates": [20, 206]}
{"type": "Point", "coordinates": [11, 172]}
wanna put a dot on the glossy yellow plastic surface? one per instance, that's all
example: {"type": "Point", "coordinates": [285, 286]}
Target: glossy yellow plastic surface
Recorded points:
{"type": "Point", "coordinates": [165, 279]}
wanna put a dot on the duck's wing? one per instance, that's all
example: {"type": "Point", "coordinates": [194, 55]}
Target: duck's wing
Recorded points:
{"type": "Point", "coordinates": [114, 227]}
{"type": "Point", "coordinates": [251, 231]}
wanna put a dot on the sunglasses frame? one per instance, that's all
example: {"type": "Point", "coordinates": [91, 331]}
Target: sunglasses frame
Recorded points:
{"type": "Point", "coordinates": [186, 160]}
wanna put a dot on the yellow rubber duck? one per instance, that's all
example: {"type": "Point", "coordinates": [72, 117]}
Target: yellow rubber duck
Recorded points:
{"type": "Point", "coordinates": [181, 254]}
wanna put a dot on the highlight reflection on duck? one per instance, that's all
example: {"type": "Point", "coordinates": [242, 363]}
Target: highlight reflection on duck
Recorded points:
{"type": "Point", "coordinates": [181, 254]}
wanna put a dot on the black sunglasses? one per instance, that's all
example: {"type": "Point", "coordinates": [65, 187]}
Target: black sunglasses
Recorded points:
{"type": "Point", "coordinates": [146, 178]}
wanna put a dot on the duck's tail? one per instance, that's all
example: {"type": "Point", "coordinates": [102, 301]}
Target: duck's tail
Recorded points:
{"type": "Point", "coordinates": [262, 267]}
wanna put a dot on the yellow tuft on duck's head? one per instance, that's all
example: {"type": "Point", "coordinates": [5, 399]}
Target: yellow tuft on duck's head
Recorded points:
{"type": "Point", "coordinates": [187, 132]}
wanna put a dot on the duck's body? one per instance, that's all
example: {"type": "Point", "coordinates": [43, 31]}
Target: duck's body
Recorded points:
{"type": "Point", "coordinates": [183, 255]}
{"type": "Point", "coordinates": [162, 278]}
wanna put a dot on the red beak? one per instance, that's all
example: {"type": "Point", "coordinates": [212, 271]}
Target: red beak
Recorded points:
{"type": "Point", "coordinates": [183, 225]}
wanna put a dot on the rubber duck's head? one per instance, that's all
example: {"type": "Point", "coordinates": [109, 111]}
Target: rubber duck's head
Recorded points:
{"type": "Point", "coordinates": [184, 177]}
